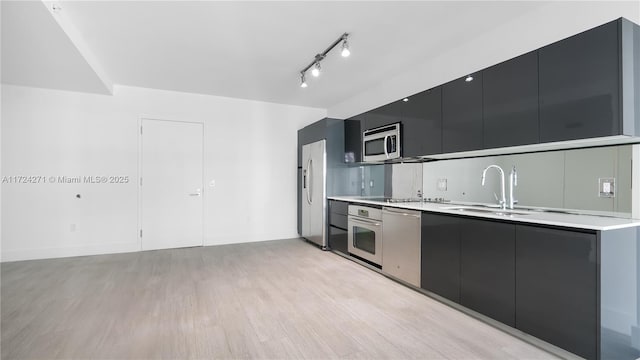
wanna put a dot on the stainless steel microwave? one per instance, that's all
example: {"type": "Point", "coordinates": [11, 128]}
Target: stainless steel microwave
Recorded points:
{"type": "Point", "coordinates": [381, 143]}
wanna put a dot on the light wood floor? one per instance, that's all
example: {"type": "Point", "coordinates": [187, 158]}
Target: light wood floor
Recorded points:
{"type": "Point", "coordinates": [277, 299]}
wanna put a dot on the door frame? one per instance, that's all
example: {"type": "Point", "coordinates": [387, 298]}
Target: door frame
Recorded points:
{"type": "Point", "coordinates": [139, 177]}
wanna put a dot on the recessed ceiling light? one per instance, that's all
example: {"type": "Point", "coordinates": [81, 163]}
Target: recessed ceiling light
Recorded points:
{"type": "Point", "coordinates": [405, 99]}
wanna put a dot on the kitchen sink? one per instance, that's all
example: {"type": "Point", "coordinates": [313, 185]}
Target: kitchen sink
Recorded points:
{"type": "Point", "coordinates": [548, 211]}
{"type": "Point", "coordinates": [518, 210]}
{"type": "Point", "coordinates": [487, 210]}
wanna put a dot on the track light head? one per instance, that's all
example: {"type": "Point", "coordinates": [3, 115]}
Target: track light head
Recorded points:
{"type": "Point", "coordinates": [345, 48]}
{"type": "Point", "coordinates": [303, 81]}
{"type": "Point", "coordinates": [316, 69]}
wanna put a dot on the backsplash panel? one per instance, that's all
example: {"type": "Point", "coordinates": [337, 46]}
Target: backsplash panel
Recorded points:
{"type": "Point", "coordinates": [565, 179]}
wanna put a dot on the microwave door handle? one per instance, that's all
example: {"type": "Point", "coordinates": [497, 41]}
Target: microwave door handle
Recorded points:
{"type": "Point", "coordinates": [309, 176]}
{"type": "Point", "coordinates": [386, 141]}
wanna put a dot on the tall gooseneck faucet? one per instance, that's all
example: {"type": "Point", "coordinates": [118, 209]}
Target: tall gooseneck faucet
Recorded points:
{"type": "Point", "coordinates": [513, 181]}
{"type": "Point", "coordinates": [503, 201]}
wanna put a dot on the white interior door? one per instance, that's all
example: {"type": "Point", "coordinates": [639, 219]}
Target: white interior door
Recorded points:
{"type": "Point", "coordinates": [171, 184]}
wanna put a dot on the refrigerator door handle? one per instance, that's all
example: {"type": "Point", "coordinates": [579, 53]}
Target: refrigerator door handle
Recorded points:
{"type": "Point", "coordinates": [304, 179]}
{"type": "Point", "coordinates": [309, 175]}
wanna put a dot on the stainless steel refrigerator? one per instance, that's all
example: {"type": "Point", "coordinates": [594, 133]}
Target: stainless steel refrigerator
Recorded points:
{"type": "Point", "coordinates": [314, 189]}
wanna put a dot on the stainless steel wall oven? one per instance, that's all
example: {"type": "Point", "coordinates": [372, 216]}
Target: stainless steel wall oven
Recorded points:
{"type": "Point", "coordinates": [365, 233]}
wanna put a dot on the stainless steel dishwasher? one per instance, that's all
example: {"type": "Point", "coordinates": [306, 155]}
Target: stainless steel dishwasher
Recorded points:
{"type": "Point", "coordinates": [401, 244]}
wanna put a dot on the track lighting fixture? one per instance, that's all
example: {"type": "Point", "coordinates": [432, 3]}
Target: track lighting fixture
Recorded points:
{"type": "Point", "coordinates": [315, 64]}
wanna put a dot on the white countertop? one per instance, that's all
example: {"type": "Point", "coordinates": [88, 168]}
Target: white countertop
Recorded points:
{"type": "Point", "coordinates": [590, 222]}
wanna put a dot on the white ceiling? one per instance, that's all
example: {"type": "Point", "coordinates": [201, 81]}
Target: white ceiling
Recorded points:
{"type": "Point", "coordinates": [36, 52]}
{"type": "Point", "coordinates": [249, 50]}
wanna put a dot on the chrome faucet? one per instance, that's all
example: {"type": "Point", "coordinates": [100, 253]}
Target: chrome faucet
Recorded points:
{"type": "Point", "coordinates": [513, 181]}
{"type": "Point", "coordinates": [503, 201]}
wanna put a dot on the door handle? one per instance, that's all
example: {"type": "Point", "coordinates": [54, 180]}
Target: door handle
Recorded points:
{"type": "Point", "coordinates": [197, 193]}
{"type": "Point", "coordinates": [386, 140]}
{"type": "Point", "coordinates": [310, 179]}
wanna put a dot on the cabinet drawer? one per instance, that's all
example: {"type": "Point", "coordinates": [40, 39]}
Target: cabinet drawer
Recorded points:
{"type": "Point", "coordinates": [339, 207]}
{"type": "Point", "coordinates": [338, 239]}
{"type": "Point", "coordinates": [338, 220]}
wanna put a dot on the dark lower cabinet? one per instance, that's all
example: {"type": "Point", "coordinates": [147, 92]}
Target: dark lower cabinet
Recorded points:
{"type": "Point", "coordinates": [556, 287]}
{"type": "Point", "coordinates": [440, 268]}
{"type": "Point", "coordinates": [338, 239]}
{"type": "Point", "coordinates": [487, 263]}
{"type": "Point", "coordinates": [338, 213]}
{"type": "Point", "coordinates": [462, 114]}
{"type": "Point", "coordinates": [540, 280]}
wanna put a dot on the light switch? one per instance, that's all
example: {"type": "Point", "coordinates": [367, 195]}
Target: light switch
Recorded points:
{"type": "Point", "coordinates": [442, 184]}
{"type": "Point", "coordinates": [606, 187]}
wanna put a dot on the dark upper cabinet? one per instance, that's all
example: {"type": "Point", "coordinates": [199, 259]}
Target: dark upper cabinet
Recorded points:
{"type": "Point", "coordinates": [579, 86]}
{"type": "Point", "coordinates": [384, 115]}
{"type": "Point", "coordinates": [440, 262]}
{"type": "Point", "coordinates": [585, 86]}
{"type": "Point", "coordinates": [510, 102]}
{"type": "Point", "coordinates": [462, 114]}
{"type": "Point", "coordinates": [556, 287]}
{"type": "Point", "coordinates": [487, 263]}
{"type": "Point", "coordinates": [353, 139]}
{"type": "Point", "coordinates": [422, 123]}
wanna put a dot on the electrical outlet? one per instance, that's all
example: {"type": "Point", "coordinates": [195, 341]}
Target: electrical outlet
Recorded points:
{"type": "Point", "coordinates": [442, 184]}
{"type": "Point", "coordinates": [606, 187]}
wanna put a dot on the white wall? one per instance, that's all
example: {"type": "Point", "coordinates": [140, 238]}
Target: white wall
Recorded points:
{"type": "Point", "coordinates": [545, 25]}
{"type": "Point", "coordinates": [250, 150]}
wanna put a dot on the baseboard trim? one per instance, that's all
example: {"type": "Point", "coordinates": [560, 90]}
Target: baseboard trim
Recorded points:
{"type": "Point", "coordinates": [240, 239]}
{"type": "Point", "coordinates": [62, 252]}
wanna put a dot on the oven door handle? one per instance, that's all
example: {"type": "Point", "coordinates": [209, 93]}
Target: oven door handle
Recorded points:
{"type": "Point", "coordinates": [367, 222]}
